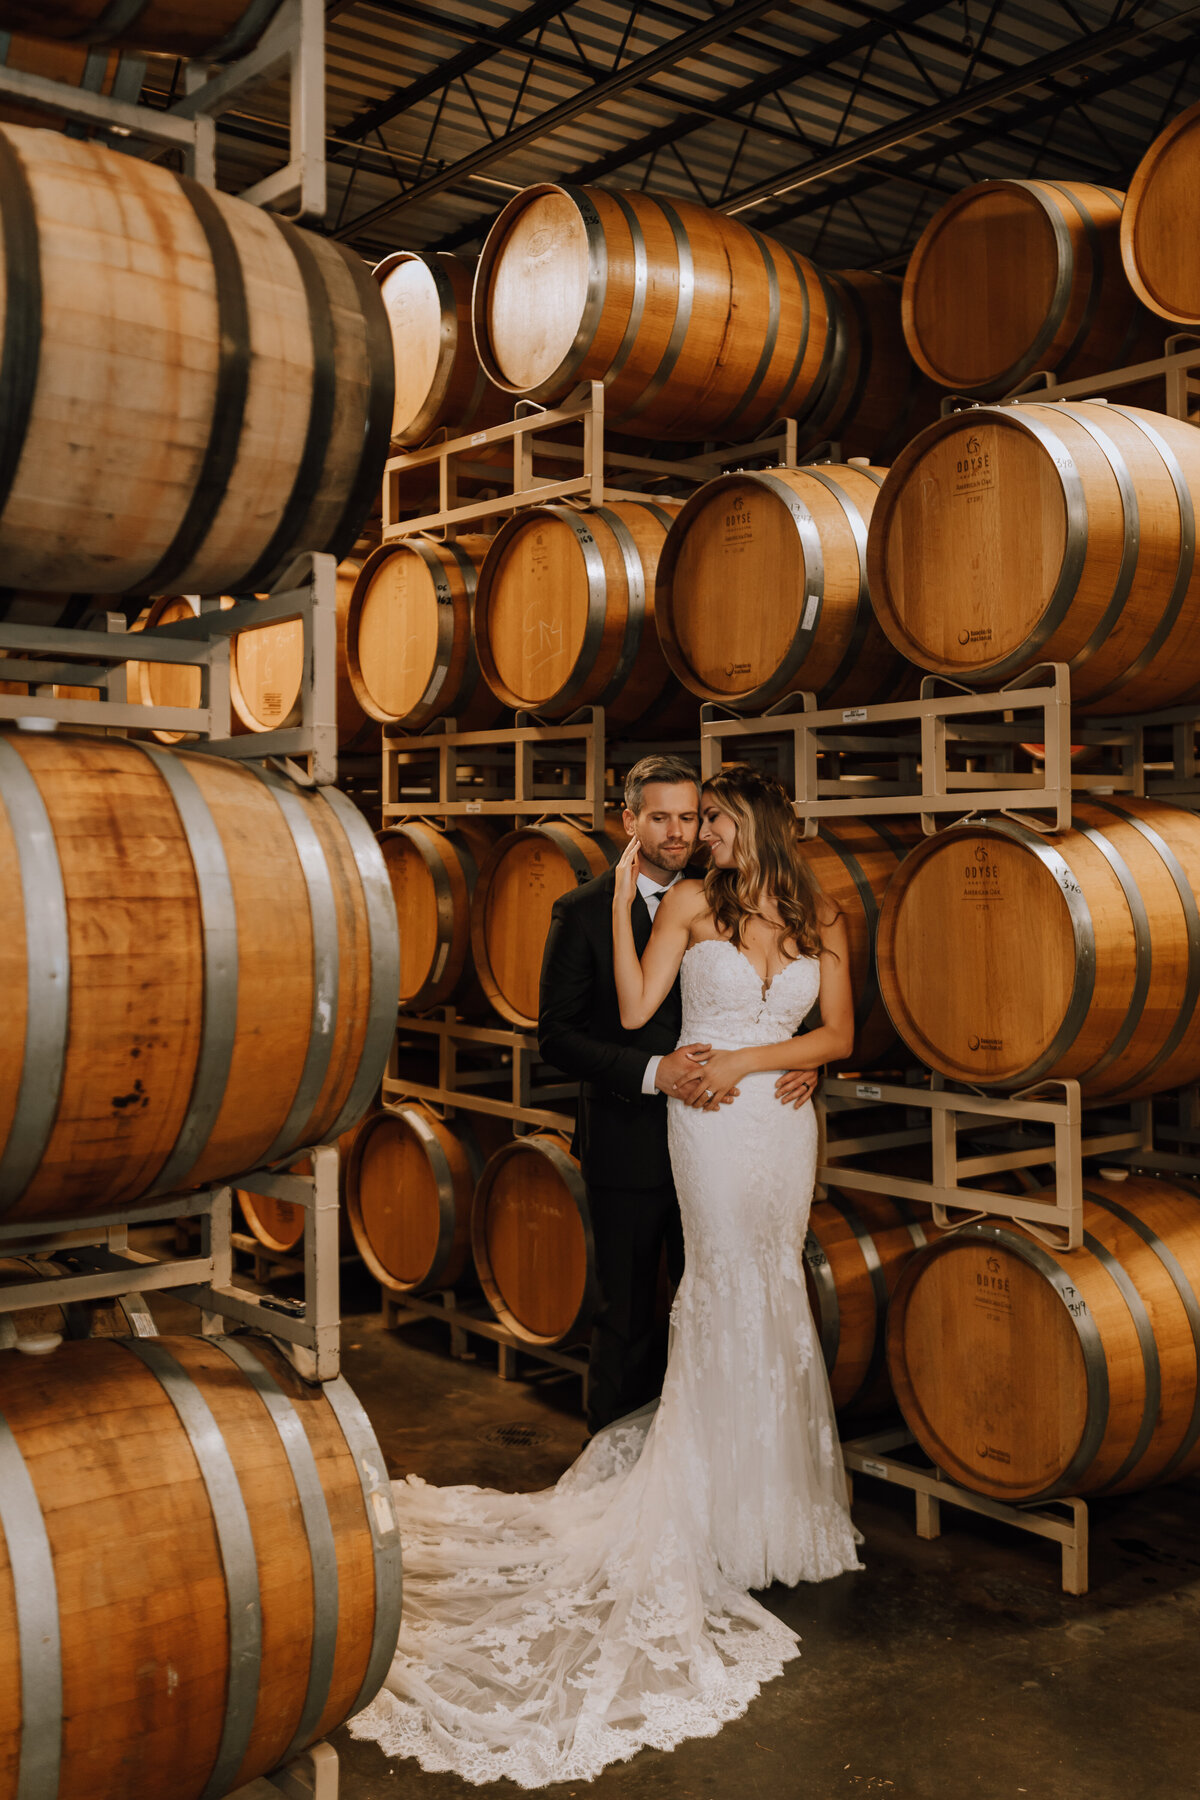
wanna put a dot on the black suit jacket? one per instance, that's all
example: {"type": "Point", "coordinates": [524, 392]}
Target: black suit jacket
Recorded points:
{"type": "Point", "coordinates": [621, 1135]}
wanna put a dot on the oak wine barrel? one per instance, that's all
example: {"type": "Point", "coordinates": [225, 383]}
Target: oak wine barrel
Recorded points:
{"type": "Point", "coordinates": [1007, 958]}
{"type": "Point", "coordinates": [201, 1566]}
{"type": "Point", "coordinates": [1009, 536]}
{"type": "Point", "coordinates": [216, 31]}
{"type": "Point", "coordinates": [410, 1183]}
{"type": "Point", "coordinates": [762, 590]}
{"type": "Point", "coordinates": [433, 875]}
{"type": "Point", "coordinates": [245, 369]}
{"type": "Point", "coordinates": [697, 325]}
{"type": "Point", "coordinates": [525, 873]}
{"type": "Point", "coordinates": [876, 398]}
{"type": "Point", "coordinates": [439, 382]}
{"type": "Point", "coordinates": [1015, 276]}
{"type": "Point", "coordinates": [531, 1237]}
{"type": "Point", "coordinates": [410, 655]}
{"type": "Point", "coordinates": [1157, 243]}
{"type": "Point", "coordinates": [851, 862]}
{"type": "Point", "coordinates": [201, 965]}
{"type": "Point", "coordinates": [1074, 1372]}
{"type": "Point", "coordinates": [565, 611]}
{"type": "Point", "coordinates": [266, 674]}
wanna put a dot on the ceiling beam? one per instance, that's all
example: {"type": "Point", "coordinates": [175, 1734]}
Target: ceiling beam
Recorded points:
{"type": "Point", "coordinates": [984, 93]}
{"type": "Point", "coordinates": [587, 100]}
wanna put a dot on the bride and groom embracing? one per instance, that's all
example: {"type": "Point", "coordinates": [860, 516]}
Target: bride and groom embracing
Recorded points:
{"type": "Point", "coordinates": [547, 1635]}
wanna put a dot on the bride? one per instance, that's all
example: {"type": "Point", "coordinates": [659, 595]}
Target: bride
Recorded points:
{"type": "Point", "coordinates": [547, 1635]}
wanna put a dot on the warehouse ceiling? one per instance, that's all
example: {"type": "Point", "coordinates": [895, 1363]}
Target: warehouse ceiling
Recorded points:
{"type": "Point", "coordinates": [838, 127]}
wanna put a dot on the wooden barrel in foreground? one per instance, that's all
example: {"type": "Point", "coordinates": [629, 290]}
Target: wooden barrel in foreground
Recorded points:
{"type": "Point", "coordinates": [1009, 536]}
{"type": "Point", "coordinates": [1008, 958]}
{"type": "Point", "coordinates": [762, 590]}
{"type": "Point", "coordinates": [565, 612]}
{"type": "Point", "coordinates": [410, 655]}
{"type": "Point", "coordinates": [266, 673]}
{"type": "Point", "coordinates": [439, 382]}
{"type": "Point", "coordinates": [525, 873]}
{"type": "Point", "coordinates": [218, 30]}
{"type": "Point", "coordinates": [201, 965]}
{"type": "Point", "coordinates": [410, 1183]}
{"type": "Point", "coordinates": [696, 325]}
{"type": "Point", "coordinates": [1158, 247]}
{"type": "Point", "coordinates": [851, 861]}
{"type": "Point", "coordinates": [239, 443]}
{"type": "Point", "coordinates": [433, 875]}
{"type": "Point", "coordinates": [531, 1236]}
{"type": "Point", "coordinates": [1074, 1372]}
{"type": "Point", "coordinates": [201, 1566]}
{"type": "Point", "coordinates": [1014, 276]}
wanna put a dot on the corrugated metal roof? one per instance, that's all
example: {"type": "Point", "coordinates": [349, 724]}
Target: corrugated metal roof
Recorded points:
{"type": "Point", "coordinates": [730, 121]}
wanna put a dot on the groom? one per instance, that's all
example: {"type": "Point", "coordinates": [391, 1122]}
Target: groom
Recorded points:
{"type": "Point", "coordinates": [621, 1134]}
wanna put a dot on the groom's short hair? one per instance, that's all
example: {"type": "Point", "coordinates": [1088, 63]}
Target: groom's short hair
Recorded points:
{"type": "Point", "coordinates": [656, 768]}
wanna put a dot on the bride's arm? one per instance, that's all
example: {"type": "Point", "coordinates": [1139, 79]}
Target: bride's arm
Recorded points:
{"type": "Point", "coordinates": [830, 1042]}
{"type": "Point", "coordinates": [643, 984]}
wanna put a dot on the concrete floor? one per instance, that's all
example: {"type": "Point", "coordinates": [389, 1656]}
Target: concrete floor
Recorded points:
{"type": "Point", "coordinates": [945, 1669]}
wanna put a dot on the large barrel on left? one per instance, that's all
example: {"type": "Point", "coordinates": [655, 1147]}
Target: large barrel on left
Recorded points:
{"type": "Point", "coordinates": [199, 1566]}
{"type": "Point", "coordinates": [196, 390]}
{"type": "Point", "coordinates": [201, 967]}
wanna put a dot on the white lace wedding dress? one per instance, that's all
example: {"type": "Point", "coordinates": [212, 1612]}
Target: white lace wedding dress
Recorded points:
{"type": "Point", "coordinates": [546, 1635]}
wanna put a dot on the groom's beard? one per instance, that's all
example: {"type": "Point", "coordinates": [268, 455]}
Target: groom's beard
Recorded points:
{"type": "Point", "coordinates": [669, 859]}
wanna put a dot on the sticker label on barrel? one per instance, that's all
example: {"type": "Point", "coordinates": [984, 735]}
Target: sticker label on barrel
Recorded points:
{"type": "Point", "coordinates": [974, 468]}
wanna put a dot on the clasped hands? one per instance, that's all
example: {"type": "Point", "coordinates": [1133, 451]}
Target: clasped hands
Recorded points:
{"type": "Point", "coordinates": [701, 1076]}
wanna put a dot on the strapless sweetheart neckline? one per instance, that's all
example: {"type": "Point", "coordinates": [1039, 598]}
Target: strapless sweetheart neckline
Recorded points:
{"type": "Point", "coordinates": [766, 983]}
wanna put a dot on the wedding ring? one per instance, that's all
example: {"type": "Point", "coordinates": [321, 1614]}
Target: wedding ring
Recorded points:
{"type": "Point", "coordinates": [708, 1093]}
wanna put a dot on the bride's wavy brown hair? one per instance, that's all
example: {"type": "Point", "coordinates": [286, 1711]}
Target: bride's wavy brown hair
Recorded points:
{"type": "Point", "coordinates": [766, 859]}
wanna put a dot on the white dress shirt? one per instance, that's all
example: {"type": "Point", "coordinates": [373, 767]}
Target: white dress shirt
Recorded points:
{"type": "Point", "coordinates": [652, 892]}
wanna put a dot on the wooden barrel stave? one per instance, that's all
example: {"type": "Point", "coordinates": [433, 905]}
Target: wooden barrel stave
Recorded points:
{"type": "Point", "coordinates": [1156, 245]}
{"type": "Point", "coordinates": [531, 1238]}
{"type": "Point", "coordinates": [410, 1184]}
{"type": "Point", "coordinates": [267, 1534]}
{"type": "Point", "coordinates": [565, 610]}
{"type": "Point", "coordinates": [1109, 582]}
{"type": "Point", "coordinates": [851, 862]}
{"type": "Point", "coordinates": [163, 1090]}
{"type": "Point", "coordinates": [271, 433]}
{"type": "Point", "coordinates": [578, 284]}
{"type": "Point", "coordinates": [791, 543]}
{"type": "Point", "coordinates": [987, 1012]}
{"type": "Point", "coordinates": [1083, 1364]}
{"type": "Point", "coordinates": [1014, 276]}
{"type": "Point", "coordinates": [218, 31]}
{"type": "Point", "coordinates": [525, 873]}
{"type": "Point", "coordinates": [410, 651]}
{"type": "Point", "coordinates": [433, 875]}
{"type": "Point", "coordinates": [439, 382]}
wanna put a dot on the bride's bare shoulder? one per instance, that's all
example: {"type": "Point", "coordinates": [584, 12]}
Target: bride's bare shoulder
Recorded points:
{"type": "Point", "coordinates": [684, 900]}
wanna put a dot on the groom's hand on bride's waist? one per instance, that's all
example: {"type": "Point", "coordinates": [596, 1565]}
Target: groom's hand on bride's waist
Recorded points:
{"type": "Point", "coordinates": [797, 1086]}
{"type": "Point", "coordinates": [681, 1074]}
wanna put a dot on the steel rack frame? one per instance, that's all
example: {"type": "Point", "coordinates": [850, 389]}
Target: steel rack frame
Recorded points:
{"type": "Point", "coordinates": [601, 462]}
{"type": "Point", "coordinates": [100, 659]}
{"type": "Point", "coordinates": [312, 1776]}
{"type": "Point", "coordinates": [516, 1057]}
{"type": "Point", "coordinates": [292, 44]}
{"type": "Point", "coordinates": [308, 1328]}
{"type": "Point", "coordinates": [509, 759]}
{"type": "Point", "coordinates": [1041, 1125]}
{"type": "Point", "coordinates": [1178, 367]}
{"type": "Point", "coordinates": [1065, 1522]}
